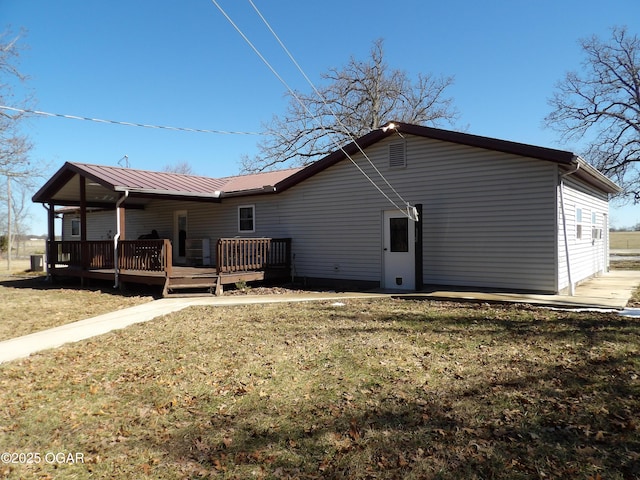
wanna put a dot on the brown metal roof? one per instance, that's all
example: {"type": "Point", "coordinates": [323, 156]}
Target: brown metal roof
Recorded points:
{"type": "Point", "coordinates": [242, 184]}
{"type": "Point", "coordinates": [120, 179]}
{"type": "Point", "coordinates": [105, 182]}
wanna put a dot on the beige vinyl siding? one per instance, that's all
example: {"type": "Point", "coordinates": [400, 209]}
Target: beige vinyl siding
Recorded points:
{"type": "Point", "coordinates": [202, 220]}
{"type": "Point", "coordinates": [588, 255]}
{"type": "Point", "coordinates": [101, 225]}
{"type": "Point", "coordinates": [488, 217]}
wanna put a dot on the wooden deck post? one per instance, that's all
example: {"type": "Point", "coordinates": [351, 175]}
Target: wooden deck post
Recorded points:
{"type": "Point", "coordinates": [51, 236]}
{"type": "Point", "coordinates": [84, 250]}
{"type": "Point", "coordinates": [116, 239]}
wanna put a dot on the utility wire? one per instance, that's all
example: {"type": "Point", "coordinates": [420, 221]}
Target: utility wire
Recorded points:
{"type": "Point", "coordinates": [324, 101]}
{"type": "Point", "coordinates": [129, 124]}
{"type": "Point", "coordinates": [302, 104]}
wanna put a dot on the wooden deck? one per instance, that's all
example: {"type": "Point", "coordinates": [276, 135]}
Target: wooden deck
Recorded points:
{"type": "Point", "coordinates": [149, 262]}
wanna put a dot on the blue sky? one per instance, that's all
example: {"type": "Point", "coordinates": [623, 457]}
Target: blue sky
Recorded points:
{"type": "Point", "coordinates": [180, 63]}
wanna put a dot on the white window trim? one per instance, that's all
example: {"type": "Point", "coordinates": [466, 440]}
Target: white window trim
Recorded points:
{"type": "Point", "coordinates": [253, 218]}
{"type": "Point", "coordinates": [596, 228]}
{"type": "Point", "coordinates": [580, 223]}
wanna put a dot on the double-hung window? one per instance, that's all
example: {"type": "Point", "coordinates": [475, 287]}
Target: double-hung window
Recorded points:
{"type": "Point", "coordinates": [578, 223]}
{"type": "Point", "coordinates": [75, 227]}
{"type": "Point", "coordinates": [596, 230]}
{"type": "Point", "coordinates": [246, 218]}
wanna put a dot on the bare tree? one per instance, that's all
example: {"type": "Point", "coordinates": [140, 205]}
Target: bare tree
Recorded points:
{"type": "Point", "coordinates": [183, 168]}
{"type": "Point", "coordinates": [20, 216]}
{"type": "Point", "coordinates": [602, 102]}
{"type": "Point", "coordinates": [357, 98]}
{"type": "Point", "coordinates": [15, 164]}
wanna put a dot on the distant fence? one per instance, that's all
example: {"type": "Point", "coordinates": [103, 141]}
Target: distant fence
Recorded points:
{"type": "Point", "coordinates": [624, 241]}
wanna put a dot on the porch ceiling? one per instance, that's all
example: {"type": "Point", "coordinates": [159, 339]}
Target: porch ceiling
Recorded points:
{"type": "Point", "coordinates": [97, 195]}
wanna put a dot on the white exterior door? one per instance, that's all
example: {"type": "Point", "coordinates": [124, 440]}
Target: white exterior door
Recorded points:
{"type": "Point", "coordinates": [180, 236]}
{"type": "Point", "coordinates": [398, 241]}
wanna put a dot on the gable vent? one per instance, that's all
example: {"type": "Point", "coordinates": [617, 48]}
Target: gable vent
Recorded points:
{"type": "Point", "coordinates": [397, 155]}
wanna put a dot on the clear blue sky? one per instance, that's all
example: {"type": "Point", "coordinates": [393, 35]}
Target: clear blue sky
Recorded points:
{"type": "Point", "coordinates": [180, 63]}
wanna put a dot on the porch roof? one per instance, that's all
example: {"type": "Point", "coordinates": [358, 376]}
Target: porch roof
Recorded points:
{"type": "Point", "coordinates": [104, 185]}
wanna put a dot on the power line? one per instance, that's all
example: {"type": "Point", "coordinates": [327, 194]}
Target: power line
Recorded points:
{"type": "Point", "coordinates": [324, 101]}
{"type": "Point", "coordinates": [409, 212]}
{"type": "Point", "coordinates": [128, 124]}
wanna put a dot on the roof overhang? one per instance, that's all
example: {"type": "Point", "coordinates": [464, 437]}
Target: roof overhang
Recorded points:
{"type": "Point", "coordinates": [104, 186]}
{"type": "Point", "coordinates": [584, 171]}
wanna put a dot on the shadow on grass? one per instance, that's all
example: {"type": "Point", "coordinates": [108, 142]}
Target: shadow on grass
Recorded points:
{"type": "Point", "coordinates": [509, 434]}
{"type": "Point", "coordinates": [40, 282]}
{"type": "Point", "coordinates": [572, 414]}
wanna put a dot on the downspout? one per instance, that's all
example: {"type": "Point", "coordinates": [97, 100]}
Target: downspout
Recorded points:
{"type": "Point", "coordinates": [572, 290]}
{"type": "Point", "coordinates": [116, 239]}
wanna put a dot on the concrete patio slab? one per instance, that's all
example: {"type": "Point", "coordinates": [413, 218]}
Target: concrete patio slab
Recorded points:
{"type": "Point", "coordinates": [609, 291]}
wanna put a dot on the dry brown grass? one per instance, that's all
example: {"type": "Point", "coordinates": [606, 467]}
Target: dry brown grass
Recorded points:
{"type": "Point", "coordinates": [29, 304]}
{"type": "Point", "coordinates": [624, 240]}
{"type": "Point", "coordinates": [368, 389]}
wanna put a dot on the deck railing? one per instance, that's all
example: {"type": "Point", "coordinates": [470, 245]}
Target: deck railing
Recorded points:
{"type": "Point", "coordinates": [233, 255]}
{"type": "Point", "coordinates": [246, 254]}
{"type": "Point", "coordinates": [147, 255]}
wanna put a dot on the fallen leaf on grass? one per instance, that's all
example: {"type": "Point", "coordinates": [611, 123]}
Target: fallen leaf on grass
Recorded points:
{"type": "Point", "coordinates": [354, 432]}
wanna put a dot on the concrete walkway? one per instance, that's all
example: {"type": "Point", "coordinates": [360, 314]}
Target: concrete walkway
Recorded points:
{"type": "Point", "coordinates": [610, 291]}
{"type": "Point", "coordinates": [24, 346]}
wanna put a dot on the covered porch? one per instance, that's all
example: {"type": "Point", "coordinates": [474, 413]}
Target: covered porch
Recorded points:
{"type": "Point", "coordinates": [131, 202]}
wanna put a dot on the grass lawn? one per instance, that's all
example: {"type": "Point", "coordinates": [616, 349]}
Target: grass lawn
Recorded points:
{"type": "Point", "coordinates": [29, 304]}
{"type": "Point", "coordinates": [365, 389]}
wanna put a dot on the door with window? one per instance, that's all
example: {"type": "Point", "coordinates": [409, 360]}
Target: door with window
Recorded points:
{"type": "Point", "coordinates": [180, 237]}
{"type": "Point", "coordinates": [398, 251]}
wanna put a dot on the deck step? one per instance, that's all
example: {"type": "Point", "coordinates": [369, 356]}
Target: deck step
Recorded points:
{"type": "Point", "coordinates": [183, 295]}
{"type": "Point", "coordinates": [185, 286]}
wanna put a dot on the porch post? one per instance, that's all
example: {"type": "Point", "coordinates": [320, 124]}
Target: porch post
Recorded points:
{"type": "Point", "coordinates": [51, 237]}
{"type": "Point", "coordinates": [83, 227]}
{"type": "Point", "coordinates": [120, 223]}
